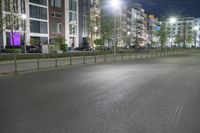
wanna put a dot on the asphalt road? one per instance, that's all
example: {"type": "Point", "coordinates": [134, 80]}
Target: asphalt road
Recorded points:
{"type": "Point", "coordinates": [160, 95]}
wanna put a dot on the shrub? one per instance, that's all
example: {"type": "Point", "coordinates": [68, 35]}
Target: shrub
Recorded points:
{"type": "Point", "coordinates": [13, 50]}
{"type": "Point", "coordinates": [63, 47]}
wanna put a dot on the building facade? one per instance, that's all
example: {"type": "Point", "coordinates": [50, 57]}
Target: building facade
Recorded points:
{"type": "Point", "coordinates": [84, 22]}
{"type": "Point", "coordinates": [37, 27]}
{"type": "Point", "coordinates": [40, 21]}
{"type": "Point", "coordinates": [137, 25]}
{"type": "Point", "coordinates": [185, 32]}
{"type": "Point", "coordinates": [56, 20]}
{"type": "Point", "coordinates": [95, 23]}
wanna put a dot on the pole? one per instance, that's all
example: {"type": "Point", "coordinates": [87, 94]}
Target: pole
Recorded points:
{"type": "Point", "coordinates": [196, 39]}
{"type": "Point", "coordinates": [15, 61]}
{"type": "Point", "coordinates": [24, 23]}
{"type": "Point", "coordinates": [115, 32]}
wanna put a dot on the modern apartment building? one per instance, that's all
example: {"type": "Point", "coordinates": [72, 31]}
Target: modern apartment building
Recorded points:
{"type": "Point", "coordinates": [37, 27]}
{"type": "Point", "coordinates": [185, 27]}
{"type": "Point", "coordinates": [95, 24]}
{"type": "Point", "coordinates": [122, 29]}
{"type": "Point", "coordinates": [41, 21]}
{"type": "Point", "coordinates": [84, 22]}
{"type": "Point", "coordinates": [56, 20]}
{"type": "Point", "coordinates": [72, 23]}
{"type": "Point", "coordinates": [26, 22]}
{"type": "Point", "coordinates": [152, 28]}
{"type": "Point", "coordinates": [137, 25]}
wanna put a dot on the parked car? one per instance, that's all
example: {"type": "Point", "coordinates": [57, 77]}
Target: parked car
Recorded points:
{"type": "Point", "coordinates": [83, 48]}
{"type": "Point", "coordinates": [33, 49]}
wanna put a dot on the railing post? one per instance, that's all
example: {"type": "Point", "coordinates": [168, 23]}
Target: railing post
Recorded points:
{"type": "Point", "coordinates": [129, 55]}
{"type": "Point", "coordinates": [56, 59]}
{"type": "Point", "coordinates": [136, 54]}
{"type": "Point", "coordinates": [84, 57]}
{"type": "Point", "coordinates": [38, 61]}
{"type": "Point", "coordinates": [156, 52]}
{"type": "Point", "coordinates": [95, 57]}
{"type": "Point", "coordinates": [70, 58]}
{"type": "Point", "coordinates": [160, 52]}
{"type": "Point", "coordinates": [141, 53]}
{"type": "Point", "coordinates": [105, 57]}
{"type": "Point", "coordinates": [15, 61]}
{"type": "Point", "coordinates": [122, 56]}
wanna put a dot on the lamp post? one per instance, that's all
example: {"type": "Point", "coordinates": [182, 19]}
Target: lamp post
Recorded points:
{"type": "Point", "coordinates": [115, 5]}
{"type": "Point", "coordinates": [129, 34]}
{"type": "Point", "coordinates": [172, 20]}
{"type": "Point", "coordinates": [24, 30]}
{"type": "Point", "coordinates": [196, 28]}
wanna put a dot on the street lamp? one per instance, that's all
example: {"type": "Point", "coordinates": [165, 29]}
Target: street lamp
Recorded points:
{"type": "Point", "coordinates": [115, 4]}
{"type": "Point", "coordinates": [196, 28]}
{"type": "Point", "coordinates": [172, 20]}
{"type": "Point", "coordinates": [23, 16]}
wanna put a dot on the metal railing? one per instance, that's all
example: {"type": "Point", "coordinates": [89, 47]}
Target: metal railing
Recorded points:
{"type": "Point", "coordinates": [29, 62]}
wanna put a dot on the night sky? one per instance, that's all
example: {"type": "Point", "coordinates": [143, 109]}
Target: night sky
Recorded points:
{"type": "Point", "coordinates": [171, 7]}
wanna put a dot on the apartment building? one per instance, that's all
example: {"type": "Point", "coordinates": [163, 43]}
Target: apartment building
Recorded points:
{"type": "Point", "coordinates": [137, 25]}
{"type": "Point", "coordinates": [121, 26]}
{"type": "Point", "coordinates": [185, 27]}
{"type": "Point", "coordinates": [39, 22]}
{"type": "Point", "coordinates": [95, 24]}
{"type": "Point", "coordinates": [152, 28]}
{"type": "Point", "coordinates": [56, 20]}
{"type": "Point", "coordinates": [84, 22]}
{"type": "Point", "coordinates": [25, 21]}
{"type": "Point", "coordinates": [37, 27]}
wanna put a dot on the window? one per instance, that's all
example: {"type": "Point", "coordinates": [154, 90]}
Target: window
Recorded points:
{"type": "Point", "coordinates": [10, 23]}
{"type": "Point", "coordinates": [39, 40]}
{"type": "Point", "coordinates": [72, 5]}
{"type": "Point", "coordinates": [38, 27]}
{"type": "Point", "coordinates": [56, 27]}
{"type": "Point", "coordinates": [13, 6]}
{"type": "Point", "coordinates": [56, 3]}
{"type": "Point", "coordinates": [42, 2]}
{"type": "Point", "coordinates": [23, 9]}
{"type": "Point", "coordinates": [72, 17]}
{"type": "Point", "coordinates": [58, 15]}
{"type": "Point", "coordinates": [38, 12]}
{"type": "Point", "coordinates": [72, 29]}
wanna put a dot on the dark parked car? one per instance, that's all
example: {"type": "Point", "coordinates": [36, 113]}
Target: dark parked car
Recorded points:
{"type": "Point", "coordinates": [33, 49]}
{"type": "Point", "coordinates": [83, 48]}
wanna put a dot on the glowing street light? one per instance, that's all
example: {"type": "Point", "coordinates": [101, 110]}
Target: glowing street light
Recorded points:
{"type": "Point", "coordinates": [115, 4]}
{"type": "Point", "coordinates": [172, 20]}
{"type": "Point", "coordinates": [95, 28]}
{"type": "Point", "coordinates": [196, 28]}
{"type": "Point", "coordinates": [24, 17]}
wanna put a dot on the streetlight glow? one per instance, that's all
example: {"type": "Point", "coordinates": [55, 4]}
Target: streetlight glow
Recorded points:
{"type": "Point", "coordinates": [115, 3]}
{"type": "Point", "coordinates": [23, 16]}
{"type": "Point", "coordinates": [172, 20]}
{"type": "Point", "coordinates": [95, 28]}
{"type": "Point", "coordinates": [196, 28]}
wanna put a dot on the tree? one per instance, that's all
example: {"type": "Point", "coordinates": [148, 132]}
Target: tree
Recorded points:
{"type": "Point", "coordinates": [106, 23]}
{"type": "Point", "coordinates": [178, 39]}
{"type": "Point", "coordinates": [164, 34]}
{"type": "Point", "coordinates": [11, 19]}
{"type": "Point", "coordinates": [185, 35]}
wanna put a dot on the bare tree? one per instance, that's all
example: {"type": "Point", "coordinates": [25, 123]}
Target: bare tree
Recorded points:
{"type": "Point", "coordinates": [10, 19]}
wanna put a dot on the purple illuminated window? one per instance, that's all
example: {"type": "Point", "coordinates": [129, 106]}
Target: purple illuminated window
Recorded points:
{"type": "Point", "coordinates": [17, 39]}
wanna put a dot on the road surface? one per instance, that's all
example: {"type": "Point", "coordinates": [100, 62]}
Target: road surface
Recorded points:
{"type": "Point", "coordinates": [159, 95]}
